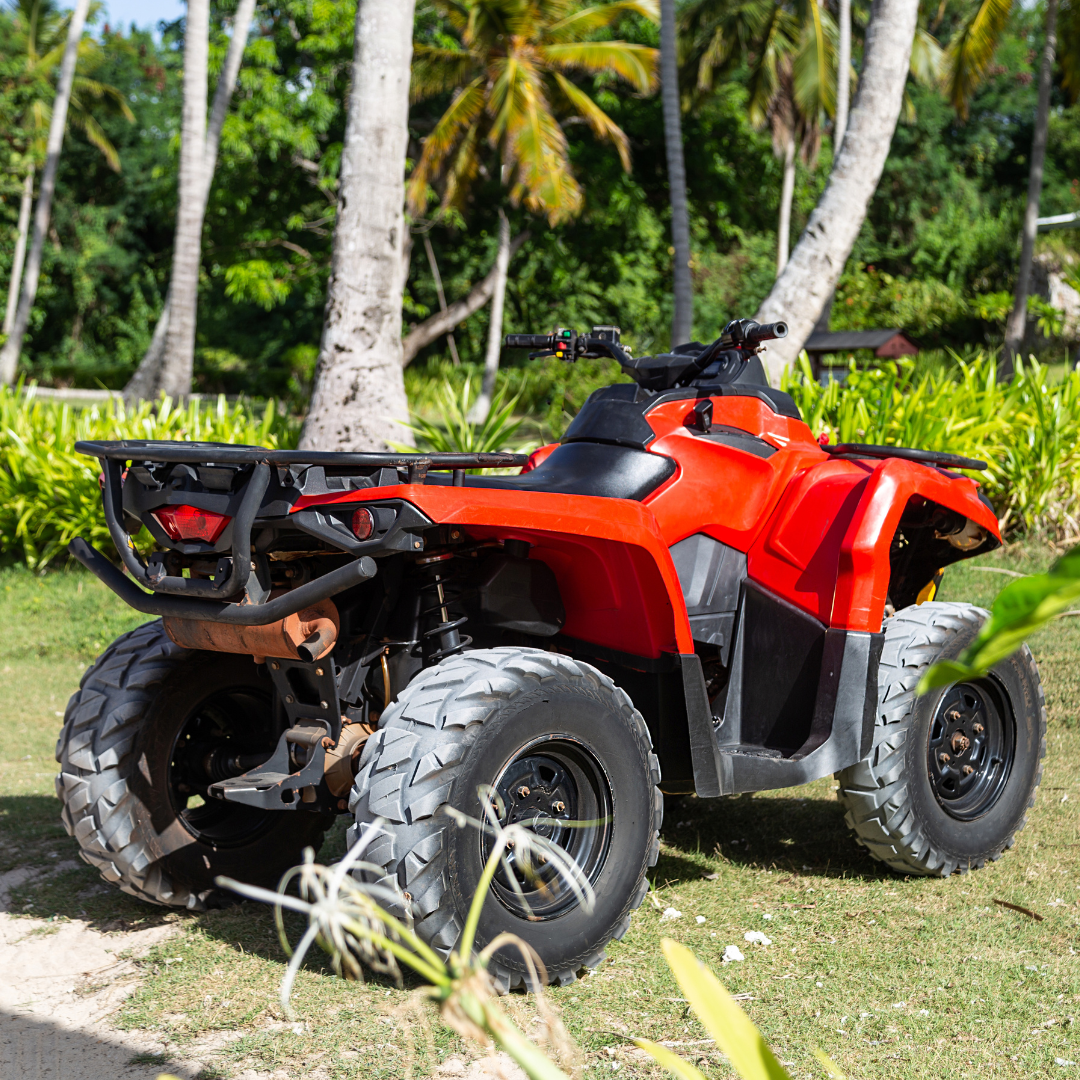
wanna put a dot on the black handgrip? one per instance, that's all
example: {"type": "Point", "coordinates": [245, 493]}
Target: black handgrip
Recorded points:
{"type": "Point", "coordinates": [767, 331]}
{"type": "Point", "coordinates": [529, 341]}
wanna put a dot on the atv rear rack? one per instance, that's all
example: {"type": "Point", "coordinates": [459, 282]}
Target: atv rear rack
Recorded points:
{"type": "Point", "coordinates": [215, 600]}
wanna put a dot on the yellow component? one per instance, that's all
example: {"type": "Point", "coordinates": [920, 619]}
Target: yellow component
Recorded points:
{"type": "Point", "coordinates": [929, 590]}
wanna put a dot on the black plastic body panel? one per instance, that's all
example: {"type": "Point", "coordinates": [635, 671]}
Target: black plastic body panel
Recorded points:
{"type": "Point", "coordinates": [618, 414]}
{"type": "Point", "coordinates": [793, 681]}
{"type": "Point", "coordinates": [710, 574]}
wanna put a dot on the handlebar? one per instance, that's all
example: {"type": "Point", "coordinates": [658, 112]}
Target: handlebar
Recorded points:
{"type": "Point", "coordinates": [530, 341]}
{"type": "Point", "coordinates": [766, 331]}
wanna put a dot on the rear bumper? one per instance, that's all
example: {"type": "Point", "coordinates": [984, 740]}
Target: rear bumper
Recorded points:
{"type": "Point", "coordinates": [214, 611]}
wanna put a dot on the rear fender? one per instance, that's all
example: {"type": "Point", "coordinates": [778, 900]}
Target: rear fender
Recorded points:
{"type": "Point", "coordinates": [615, 575]}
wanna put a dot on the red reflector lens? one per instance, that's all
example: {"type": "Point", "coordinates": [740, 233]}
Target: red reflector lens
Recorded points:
{"type": "Point", "coordinates": [191, 523]}
{"type": "Point", "coordinates": [363, 524]}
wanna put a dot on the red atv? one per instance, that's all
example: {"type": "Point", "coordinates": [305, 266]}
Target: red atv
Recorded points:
{"type": "Point", "coordinates": [687, 594]}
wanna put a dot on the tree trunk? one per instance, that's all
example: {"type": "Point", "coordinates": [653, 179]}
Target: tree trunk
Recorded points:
{"type": "Point", "coordinates": [815, 265]}
{"type": "Point", "coordinates": [147, 378]}
{"type": "Point", "coordinates": [1014, 331]}
{"type": "Point", "coordinates": [843, 76]}
{"type": "Point", "coordinates": [25, 206]}
{"type": "Point", "coordinates": [787, 194]}
{"type": "Point", "coordinates": [683, 319]}
{"type": "Point", "coordinates": [358, 402]}
{"type": "Point", "coordinates": [479, 412]}
{"type": "Point", "coordinates": [437, 278]}
{"type": "Point", "coordinates": [423, 334]}
{"type": "Point", "coordinates": [9, 355]}
{"type": "Point", "coordinates": [178, 358]}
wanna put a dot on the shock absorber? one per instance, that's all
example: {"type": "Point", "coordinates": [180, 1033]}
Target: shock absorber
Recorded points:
{"type": "Point", "coordinates": [444, 638]}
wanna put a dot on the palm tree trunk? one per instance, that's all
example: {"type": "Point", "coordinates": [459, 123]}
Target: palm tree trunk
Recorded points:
{"type": "Point", "coordinates": [815, 265]}
{"type": "Point", "coordinates": [9, 355]}
{"type": "Point", "coordinates": [843, 75]}
{"type": "Point", "coordinates": [1014, 331]}
{"type": "Point", "coordinates": [683, 319]}
{"type": "Point", "coordinates": [479, 412]}
{"type": "Point", "coordinates": [437, 278]}
{"type": "Point", "coordinates": [787, 194]}
{"type": "Point", "coordinates": [25, 206]}
{"type": "Point", "coordinates": [147, 378]}
{"type": "Point", "coordinates": [178, 358]}
{"type": "Point", "coordinates": [358, 402]}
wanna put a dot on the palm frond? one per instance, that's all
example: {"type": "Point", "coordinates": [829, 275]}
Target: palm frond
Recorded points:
{"type": "Point", "coordinates": [600, 17]}
{"type": "Point", "coordinates": [435, 71]}
{"type": "Point", "coordinates": [464, 110]}
{"type": "Point", "coordinates": [534, 144]}
{"type": "Point", "coordinates": [104, 93]}
{"type": "Point", "coordinates": [971, 50]}
{"type": "Point", "coordinates": [1068, 28]}
{"type": "Point", "coordinates": [776, 47]}
{"type": "Point", "coordinates": [927, 58]}
{"type": "Point", "coordinates": [92, 130]}
{"type": "Point", "coordinates": [814, 66]}
{"type": "Point", "coordinates": [602, 125]}
{"type": "Point", "coordinates": [636, 64]}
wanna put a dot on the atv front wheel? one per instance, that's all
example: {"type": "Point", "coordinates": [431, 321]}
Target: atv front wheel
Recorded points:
{"type": "Point", "coordinates": [951, 774]}
{"type": "Point", "coordinates": [151, 726]}
{"type": "Point", "coordinates": [555, 739]}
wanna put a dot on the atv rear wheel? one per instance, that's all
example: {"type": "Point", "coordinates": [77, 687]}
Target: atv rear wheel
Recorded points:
{"type": "Point", "coordinates": [150, 727]}
{"type": "Point", "coordinates": [553, 736]}
{"type": "Point", "coordinates": [951, 774]}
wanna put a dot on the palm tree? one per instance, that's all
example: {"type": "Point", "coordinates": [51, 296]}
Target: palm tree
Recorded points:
{"type": "Point", "coordinates": [792, 46]}
{"type": "Point", "coordinates": [800, 292]}
{"type": "Point", "coordinates": [969, 55]}
{"type": "Point", "coordinates": [358, 402]}
{"type": "Point", "coordinates": [9, 355]}
{"type": "Point", "coordinates": [509, 82]}
{"type": "Point", "coordinates": [170, 369]}
{"type": "Point", "coordinates": [682, 320]}
{"type": "Point", "coordinates": [41, 31]}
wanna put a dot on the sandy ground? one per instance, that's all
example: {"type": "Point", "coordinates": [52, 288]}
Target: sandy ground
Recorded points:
{"type": "Point", "coordinates": [60, 983]}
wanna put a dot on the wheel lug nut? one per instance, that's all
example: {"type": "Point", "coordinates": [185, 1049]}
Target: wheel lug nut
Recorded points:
{"type": "Point", "coordinates": [558, 807]}
{"type": "Point", "coordinates": [944, 759]}
{"type": "Point", "coordinates": [953, 714]}
{"type": "Point", "coordinates": [522, 791]}
{"type": "Point", "coordinates": [978, 729]}
{"type": "Point", "coordinates": [967, 770]}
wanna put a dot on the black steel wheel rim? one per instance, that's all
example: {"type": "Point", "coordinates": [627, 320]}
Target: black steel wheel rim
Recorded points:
{"type": "Point", "coordinates": [550, 781]}
{"type": "Point", "coordinates": [971, 747]}
{"type": "Point", "coordinates": [226, 734]}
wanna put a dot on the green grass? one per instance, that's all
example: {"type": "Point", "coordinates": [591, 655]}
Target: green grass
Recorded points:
{"type": "Point", "coordinates": [985, 991]}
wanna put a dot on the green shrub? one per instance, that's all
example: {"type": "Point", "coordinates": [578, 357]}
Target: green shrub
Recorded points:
{"type": "Point", "coordinates": [1027, 430]}
{"type": "Point", "coordinates": [49, 494]}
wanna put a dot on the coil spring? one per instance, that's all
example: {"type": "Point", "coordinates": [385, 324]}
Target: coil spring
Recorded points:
{"type": "Point", "coordinates": [443, 639]}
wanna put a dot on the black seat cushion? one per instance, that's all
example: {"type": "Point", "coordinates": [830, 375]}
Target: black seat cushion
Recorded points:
{"type": "Point", "coordinates": [586, 468]}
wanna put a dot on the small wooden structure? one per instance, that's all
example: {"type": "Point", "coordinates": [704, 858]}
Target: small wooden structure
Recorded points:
{"type": "Point", "coordinates": [885, 344]}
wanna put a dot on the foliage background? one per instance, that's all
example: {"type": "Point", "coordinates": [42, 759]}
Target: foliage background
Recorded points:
{"type": "Point", "coordinates": [938, 245]}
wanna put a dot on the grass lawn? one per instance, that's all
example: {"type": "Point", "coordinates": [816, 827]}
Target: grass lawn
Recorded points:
{"type": "Point", "coordinates": [893, 977]}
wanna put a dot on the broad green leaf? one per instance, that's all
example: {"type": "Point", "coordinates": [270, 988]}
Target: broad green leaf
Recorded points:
{"type": "Point", "coordinates": [1020, 609]}
{"type": "Point", "coordinates": [671, 1061]}
{"type": "Point", "coordinates": [733, 1030]}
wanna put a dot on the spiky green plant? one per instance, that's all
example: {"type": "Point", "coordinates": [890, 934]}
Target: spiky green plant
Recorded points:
{"type": "Point", "coordinates": [457, 433]}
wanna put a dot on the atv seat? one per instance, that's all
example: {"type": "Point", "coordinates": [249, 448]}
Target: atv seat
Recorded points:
{"type": "Point", "coordinates": [585, 468]}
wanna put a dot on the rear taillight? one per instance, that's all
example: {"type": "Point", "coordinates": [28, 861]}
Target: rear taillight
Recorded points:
{"type": "Point", "coordinates": [191, 523]}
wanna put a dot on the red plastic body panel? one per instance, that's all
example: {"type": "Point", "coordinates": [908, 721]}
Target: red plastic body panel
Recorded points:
{"type": "Point", "coordinates": [719, 490]}
{"type": "Point", "coordinates": [816, 529]}
{"type": "Point", "coordinates": [826, 548]}
{"type": "Point", "coordinates": [614, 571]}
